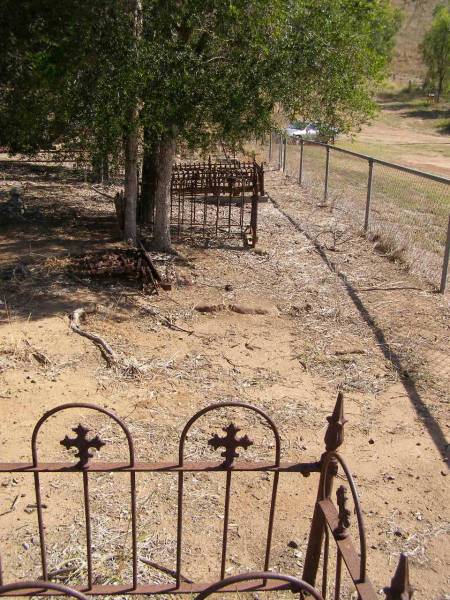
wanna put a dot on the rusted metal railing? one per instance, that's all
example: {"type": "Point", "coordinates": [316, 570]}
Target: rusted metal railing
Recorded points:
{"type": "Point", "coordinates": [212, 199]}
{"type": "Point", "coordinates": [330, 521]}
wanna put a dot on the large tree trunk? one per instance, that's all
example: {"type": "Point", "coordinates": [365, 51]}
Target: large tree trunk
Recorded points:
{"type": "Point", "coordinates": [149, 174]}
{"type": "Point", "coordinates": [131, 185]}
{"type": "Point", "coordinates": [161, 227]}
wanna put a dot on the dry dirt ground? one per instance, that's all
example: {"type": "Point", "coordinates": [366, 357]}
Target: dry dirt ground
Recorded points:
{"type": "Point", "coordinates": [339, 316]}
{"type": "Point", "coordinates": [407, 132]}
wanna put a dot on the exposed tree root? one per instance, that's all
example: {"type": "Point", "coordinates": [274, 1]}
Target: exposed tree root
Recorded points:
{"type": "Point", "coordinates": [124, 365]}
{"type": "Point", "coordinates": [75, 319]}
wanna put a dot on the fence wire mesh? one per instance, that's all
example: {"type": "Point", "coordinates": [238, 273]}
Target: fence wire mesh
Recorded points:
{"type": "Point", "coordinates": [347, 186]}
{"type": "Point", "coordinates": [410, 214]}
{"type": "Point", "coordinates": [407, 220]}
{"type": "Point", "coordinates": [406, 212]}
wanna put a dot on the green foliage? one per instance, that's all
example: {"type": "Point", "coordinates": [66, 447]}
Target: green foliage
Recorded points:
{"type": "Point", "coordinates": [202, 70]}
{"type": "Point", "coordinates": [64, 72]}
{"type": "Point", "coordinates": [436, 50]}
{"type": "Point", "coordinates": [226, 68]}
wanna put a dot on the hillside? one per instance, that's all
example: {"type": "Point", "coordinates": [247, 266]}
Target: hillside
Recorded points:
{"type": "Point", "coordinates": [418, 14]}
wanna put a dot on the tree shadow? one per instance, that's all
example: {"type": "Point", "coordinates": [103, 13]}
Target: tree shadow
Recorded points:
{"type": "Point", "coordinates": [435, 113]}
{"type": "Point", "coordinates": [389, 352]}
{"type": "Point", "coordinates": [58, 224]}
{"type": "Point", "coordinates": [23, 170]}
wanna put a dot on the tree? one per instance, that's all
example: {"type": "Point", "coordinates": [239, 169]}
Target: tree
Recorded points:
{"type": "Point", "coordinates": [131, 141]}
{"type": "Point", "coordinates": [436, 50]}
{"type": "Point", "coordinates": [69, 76]}
{"type": "Point", "coordinates": [183, 71]}
{"type": "Point", "coordinates": [225, 67]}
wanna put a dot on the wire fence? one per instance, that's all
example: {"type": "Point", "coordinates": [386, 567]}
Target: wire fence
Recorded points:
{"type": "Point", "coordinates": [405, 210]}
{"type": "Point", "coordinates": [365, 326]}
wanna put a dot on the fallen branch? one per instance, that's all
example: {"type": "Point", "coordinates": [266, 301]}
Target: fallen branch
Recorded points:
{"type": "Point", "coordinates": [153, 271]}
{"type": "Point", "coordinates": [126, 366]}
{"type": "Point", "coordinates": [97, 191]}
{"type": "Point", "coordinates": [75, 319]}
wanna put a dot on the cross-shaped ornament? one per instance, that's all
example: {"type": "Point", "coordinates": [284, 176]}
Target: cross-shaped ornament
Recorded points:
{"type": "Point", "coordinates": [230, 442]}
{"type": "Point", "coordinates": [82, 444]}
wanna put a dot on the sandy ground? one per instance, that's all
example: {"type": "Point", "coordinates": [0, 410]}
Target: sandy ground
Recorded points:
{"type": "Point", "coordinates": [345, 318]}
{"type": "Point", "coordinates": [405, 136]}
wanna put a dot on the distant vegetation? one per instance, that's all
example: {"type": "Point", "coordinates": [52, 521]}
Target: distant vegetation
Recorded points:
{"type": "Point", "coordinates": [436, 52]}
{"type": "Point", "coordinates": [418, 15]}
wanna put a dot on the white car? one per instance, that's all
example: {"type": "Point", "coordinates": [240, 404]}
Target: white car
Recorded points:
{"type": "Point", "coordinates": [299, 130]}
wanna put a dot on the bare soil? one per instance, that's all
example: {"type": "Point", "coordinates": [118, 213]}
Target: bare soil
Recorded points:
{"type": "Point", "coordinates": [407, 132]}
{"type": "Point", "coordinates": [337, 316]}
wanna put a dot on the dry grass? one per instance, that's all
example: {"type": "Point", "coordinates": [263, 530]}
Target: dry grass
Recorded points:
{"type": "Point", "coordinates": [289, 363]}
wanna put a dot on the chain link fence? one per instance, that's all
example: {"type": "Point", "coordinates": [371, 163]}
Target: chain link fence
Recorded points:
{"type": "Point", "coordinates": [366, 325]}
{"type": "Point", "coordinates": [406, 211]}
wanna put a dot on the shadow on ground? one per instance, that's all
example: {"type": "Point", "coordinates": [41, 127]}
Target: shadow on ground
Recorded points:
{"type": "Point", "coordinates": [56, 226]}
{"type": "Point", "coordinates": [389, 352]}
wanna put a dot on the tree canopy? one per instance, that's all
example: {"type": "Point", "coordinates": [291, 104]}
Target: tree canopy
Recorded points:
{"type": "Point", "coordinates": [195, 71]}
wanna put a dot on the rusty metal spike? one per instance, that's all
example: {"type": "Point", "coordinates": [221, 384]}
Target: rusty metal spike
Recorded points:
{"type": "Point", "coordinates": [334, 435]}
{"type": "Point", "coordinates": [400, 588]}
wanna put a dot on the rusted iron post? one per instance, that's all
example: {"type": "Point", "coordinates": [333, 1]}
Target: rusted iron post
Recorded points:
{"type": "Point", "coordinates": [284, 154]}
{"type": "Point", "coordinates": [400, 588]}
{"type": "Point", "coordinates": [300, 167]}
{"type": "Point", "coordinates": [334, 438]}
{"type": "Point", "coordinates": [327, 174]}
{"type": "Point", "coordinates": [446, 260]}
{"type": "Point", "coordinates": [369, 196]}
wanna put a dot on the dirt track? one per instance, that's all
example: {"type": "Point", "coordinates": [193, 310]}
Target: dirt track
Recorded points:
{"type": "Point", "coordinates": [406, 134]}
{"type": "Point", "coordinates": [340, 318]}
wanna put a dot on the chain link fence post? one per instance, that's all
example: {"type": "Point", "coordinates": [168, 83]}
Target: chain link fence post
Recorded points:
{"type": "Point", "coordinates": [300, 166]}
{"type": "Point", "coordinates": [270, 148]}
{"type": "Point", "coordinates": [284, 154]}
{"type": "Point", "coordinates": [446, 260]}
{"type": "Point", "coordinates": [327, 173]}
{"type": "Point", "coordinates": [369, 196]}
{"type": "Point", "coordinates": [280, 154]}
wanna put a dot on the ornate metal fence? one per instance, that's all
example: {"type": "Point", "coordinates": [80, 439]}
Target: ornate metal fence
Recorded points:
{"type": "Point", "coordinates": [216, 199]}
{"type": "Point", "coordinates": [330, 521]}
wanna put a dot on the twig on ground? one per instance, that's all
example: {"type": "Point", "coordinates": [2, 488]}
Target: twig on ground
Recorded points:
{"type": "Point", "coordinates": [75, 318]}
{"type": "Point", "coordinates": [12, 507]}
{"type": "Point", "coordinates": [102, 193]}
{"type": "Point", "coordinates": [127, 366]}
{"type": "Point", "coordinates": [163, 569]}
{"type": "Point", "coordinates": [164, 320]}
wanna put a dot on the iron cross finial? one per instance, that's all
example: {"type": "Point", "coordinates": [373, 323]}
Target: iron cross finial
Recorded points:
{"type": "Point", "coordinates": [230, 442]}
{"type": "Point", "coordinates": [82, 444]}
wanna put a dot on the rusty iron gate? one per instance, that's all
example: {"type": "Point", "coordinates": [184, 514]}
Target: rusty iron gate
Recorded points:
{"type": "Point", "coordinates": [331, 520]}
{"type": "Point", "coordinates": [216, 199]}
